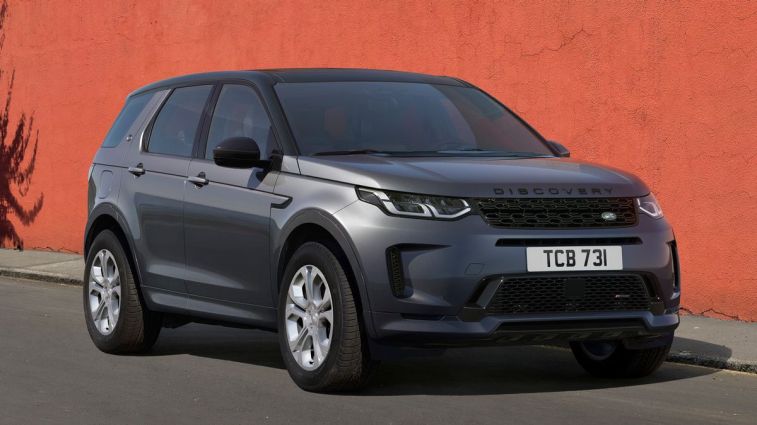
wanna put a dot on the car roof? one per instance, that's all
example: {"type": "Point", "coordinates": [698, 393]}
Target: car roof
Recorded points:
{"type": "Point", "coordinates": [305, 75]}
{"type": "Point", "coordinates": [310, 75]}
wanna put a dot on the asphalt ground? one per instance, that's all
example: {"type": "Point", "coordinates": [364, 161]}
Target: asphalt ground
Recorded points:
{"type": "Point", "coordinates": [51, 373]}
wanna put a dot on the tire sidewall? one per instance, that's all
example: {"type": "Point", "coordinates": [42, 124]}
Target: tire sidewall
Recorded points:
{"type": "Point", "coordinates": [623, 362]}
{"type": "Point", "coordinates": [317, 255]}
{"type": "Point", "coordinates": [107, 240]}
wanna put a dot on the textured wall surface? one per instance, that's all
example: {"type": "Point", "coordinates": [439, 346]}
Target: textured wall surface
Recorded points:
{"type": "Point", "coordinates": [667, 90]}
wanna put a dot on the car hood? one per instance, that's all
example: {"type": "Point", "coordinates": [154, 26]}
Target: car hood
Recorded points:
{"type": "Point", "coordinates": [476, 176]}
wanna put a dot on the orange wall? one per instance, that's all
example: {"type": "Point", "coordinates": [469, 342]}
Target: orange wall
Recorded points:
{"type": "Point", "coordinates": [666, 90]}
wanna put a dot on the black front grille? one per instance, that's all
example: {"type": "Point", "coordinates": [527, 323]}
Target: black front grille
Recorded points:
{"type": "Point", "coordinates": [571, 293]}
{"type": "Point", "coordinates": [556, 213]}
{"type": "Point", "coordinates": [567, 241]}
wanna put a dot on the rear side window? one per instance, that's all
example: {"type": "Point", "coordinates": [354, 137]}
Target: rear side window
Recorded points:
{"type": "Point", "coordinates": [175, 127]}
{"type": "Point", "coordinates": [130, 112]}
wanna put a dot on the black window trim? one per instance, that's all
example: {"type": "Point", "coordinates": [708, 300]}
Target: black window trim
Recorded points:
{"type": "Point", "coordinates": [297, 151]}
{"type": "Point", "coordinates": [145, 148]}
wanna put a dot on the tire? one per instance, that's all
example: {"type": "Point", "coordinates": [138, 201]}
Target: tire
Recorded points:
{"type": "Point", "coordinates": [130, 328]}
{"type": "Point", "coordinates": [346, 366]}
{"type": "Point", "coordinates": [618, 361]}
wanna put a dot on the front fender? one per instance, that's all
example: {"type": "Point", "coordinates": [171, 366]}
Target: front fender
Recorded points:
{"type": "Point", "coordinates": [326, 221]}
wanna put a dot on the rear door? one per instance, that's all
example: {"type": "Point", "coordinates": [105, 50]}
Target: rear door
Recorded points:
{"type": "Point", "coordinates": [155, 189]}
{"type": "Point", "coordinates": [227, 210]}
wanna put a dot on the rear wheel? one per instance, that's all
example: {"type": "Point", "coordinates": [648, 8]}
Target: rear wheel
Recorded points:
{"type": "Point", "coordinates": [611, 359]}
{"type": "Point", "coordinates": [320, 335]}
{"type": "Point", "coordinates": [116, 318]}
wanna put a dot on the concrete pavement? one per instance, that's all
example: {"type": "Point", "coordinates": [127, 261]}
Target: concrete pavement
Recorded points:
{"type": "Point", "coordinates": [703, 341]}
{"type": "Point", "coordinates": [49, 266]}
{"type": "Point", "coordinates": [50, 372]}
{"type": "Point", "coordinates": [725, 344]}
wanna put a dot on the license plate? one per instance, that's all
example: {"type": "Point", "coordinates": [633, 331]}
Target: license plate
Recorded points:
{"type": "Point", "coordinates": [574, 258]}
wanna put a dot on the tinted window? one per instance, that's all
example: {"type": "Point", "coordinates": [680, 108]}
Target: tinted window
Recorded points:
{"type": "Point", "coordinates": [130, 112]}
{"type": "Point", "coordinates": [402, 118]}
{"type": "Point", "coordinates": [239, 113]}
{"type": "Point", "coordinates": [175, 128]}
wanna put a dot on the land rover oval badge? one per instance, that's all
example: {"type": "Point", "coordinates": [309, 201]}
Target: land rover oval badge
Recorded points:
{"type": "Point", "coordinates": [609, 216]}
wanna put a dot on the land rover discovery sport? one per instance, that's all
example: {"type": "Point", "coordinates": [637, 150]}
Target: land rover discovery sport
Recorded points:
{"type": "Point", "coordinates": [357, 211]}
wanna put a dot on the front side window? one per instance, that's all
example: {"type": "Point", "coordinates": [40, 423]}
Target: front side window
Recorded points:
{"type": "Point", "coordinates": [176, 125]}
{"type": "Point", "coordinates": [130, 112]}
{"type": "Point", "coordinates": [239, 113]}
{"type": "Point", "coordinates": [403, 119]}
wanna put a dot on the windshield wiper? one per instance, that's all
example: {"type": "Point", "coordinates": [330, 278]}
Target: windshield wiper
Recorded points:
{"type": "Point", "coordinates": [350, 152]}
{"type": "Point", "coordinates": [444, 152]}
{"type": "Point", "coordinates": [488, 152]}
{"type": "Point", "coordinates": [466, 150]}
{"type": "Point", "coordinates": [525, 154]}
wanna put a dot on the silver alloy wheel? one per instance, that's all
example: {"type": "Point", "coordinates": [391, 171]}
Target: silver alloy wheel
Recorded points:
{"type": "Point", "coordinates": [104, 292]}
{"type": "Point", "coordinates": [599, 351]}
{"type": "Point", "coordinates": [309, 317]}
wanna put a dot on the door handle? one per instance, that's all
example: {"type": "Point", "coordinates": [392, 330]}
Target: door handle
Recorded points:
{"type": "Point", "coordinates": [137, 170]}
{"type": "Point", "coordinates": [199, 180]}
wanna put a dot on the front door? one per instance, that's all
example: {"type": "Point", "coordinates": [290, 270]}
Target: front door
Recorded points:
{"type": "Point", "coordinates": [227, 210]}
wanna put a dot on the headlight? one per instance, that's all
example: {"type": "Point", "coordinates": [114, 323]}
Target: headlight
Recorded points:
{"type": "Point", "coordinates": [649, 206]}
{"type": "Point", "coordinates": [411, 205]}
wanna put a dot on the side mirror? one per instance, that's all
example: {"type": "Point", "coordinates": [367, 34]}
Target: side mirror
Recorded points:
{"type": "Point", "coordinates": [238, 152]}
{"type": "Point", "coordinates": [561, 150]}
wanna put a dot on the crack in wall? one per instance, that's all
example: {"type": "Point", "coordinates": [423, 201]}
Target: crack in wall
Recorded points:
{"type": "Point", "coordinates": [712, 311]}
{"type": "Point", "coordinates": [565, 42]}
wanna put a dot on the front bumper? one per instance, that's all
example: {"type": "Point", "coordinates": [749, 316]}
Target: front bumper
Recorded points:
{"type": "Point", "coordinates": [450, 331]}
{"type": "Point", "coordinates": [443, 265]}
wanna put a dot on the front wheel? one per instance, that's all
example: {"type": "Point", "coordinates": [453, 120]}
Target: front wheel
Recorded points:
{"type": "Point", "coordinates": [320, 335]}
{"type": "Point", "coordinates": [611, 359]}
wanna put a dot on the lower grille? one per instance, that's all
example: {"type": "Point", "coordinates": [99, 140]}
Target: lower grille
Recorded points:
{"type": "Point", "coordinates": [571, 293]}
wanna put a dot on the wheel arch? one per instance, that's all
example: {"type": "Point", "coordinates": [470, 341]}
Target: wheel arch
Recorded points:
{"type": "Point", "coordinates": [320, 226]}
{"type": "Point", "coordinates": [105, 216]}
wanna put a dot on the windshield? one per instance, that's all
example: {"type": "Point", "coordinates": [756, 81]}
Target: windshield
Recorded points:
{"type": "Point", "coordinates": [337, 118]}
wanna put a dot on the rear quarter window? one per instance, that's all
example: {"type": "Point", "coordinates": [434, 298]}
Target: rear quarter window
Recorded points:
{"type": "Point", "coordinates": [129, 113]}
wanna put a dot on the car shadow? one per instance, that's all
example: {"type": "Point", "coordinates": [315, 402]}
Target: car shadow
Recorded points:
{"type": "Point", "coordinates": [221, 343]}
{"type": "Point", "coordinates": [687, 350]}
{"type": "Point", "coordinates": [461, 371]}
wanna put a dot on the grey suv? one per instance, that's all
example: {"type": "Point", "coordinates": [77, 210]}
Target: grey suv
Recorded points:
{"type": "Point", "coordinates": [360, 213]}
